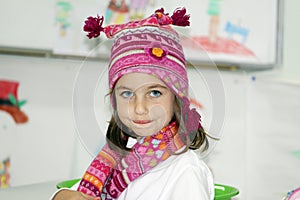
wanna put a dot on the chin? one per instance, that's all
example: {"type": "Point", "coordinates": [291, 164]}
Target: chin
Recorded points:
{"type": "Point", "coordinates": [143, 133]}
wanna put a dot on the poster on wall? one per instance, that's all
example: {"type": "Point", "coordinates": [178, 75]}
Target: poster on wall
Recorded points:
{"type": "Point", "coordinates": [229, 31]}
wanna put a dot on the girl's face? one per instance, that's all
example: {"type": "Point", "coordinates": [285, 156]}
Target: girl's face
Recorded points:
{"type": "Point", "coordinates": [144, 103]}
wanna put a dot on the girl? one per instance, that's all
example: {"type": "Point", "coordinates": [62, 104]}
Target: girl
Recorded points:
{"type": "Point", "coordinates": [153, 131]}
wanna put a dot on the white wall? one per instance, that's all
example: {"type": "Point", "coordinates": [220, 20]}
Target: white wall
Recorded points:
{"type": "Point", "coordinates": [259, 152]}
{"type": "Point", "coordinates": [47, 86]}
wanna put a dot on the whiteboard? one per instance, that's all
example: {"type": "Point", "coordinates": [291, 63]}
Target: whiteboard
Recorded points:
{"type": "Point", "coordinates": [27, 24]}
{"type": "Point", "coordinates": [247, 33]}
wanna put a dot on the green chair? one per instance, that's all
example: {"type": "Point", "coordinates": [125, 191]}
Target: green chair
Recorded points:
{"type": "Point", "coordinates": [225, 192]}
{"type": "Point", "coordinates": [222, 192]}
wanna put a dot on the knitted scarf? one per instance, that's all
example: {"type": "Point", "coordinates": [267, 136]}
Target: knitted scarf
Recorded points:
{"type": "Point", "coordinates": [109, 173]}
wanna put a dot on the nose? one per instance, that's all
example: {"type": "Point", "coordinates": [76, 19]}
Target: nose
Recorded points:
{"type": "Point", "coordinates": [140, 106]}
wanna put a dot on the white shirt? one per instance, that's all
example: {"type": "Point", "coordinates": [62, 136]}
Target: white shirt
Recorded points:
{"type": "Point", "coordinates": [183, 177]}
{"type": "Point", "coordinates": [180, 177]}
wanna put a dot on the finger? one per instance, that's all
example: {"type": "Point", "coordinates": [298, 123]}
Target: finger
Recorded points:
{"type": "Point", "coordinates": [88, 197]}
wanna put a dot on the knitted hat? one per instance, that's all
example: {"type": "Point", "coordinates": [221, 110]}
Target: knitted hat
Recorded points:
{"type": "Point", "coordinates": [149, 46]}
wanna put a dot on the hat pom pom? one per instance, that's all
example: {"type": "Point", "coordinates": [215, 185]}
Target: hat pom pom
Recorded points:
{"type": "Point", "coordinates": [93, 25]}
{"type": "Point", "coordinates": [180, 18]}
{"type": "Point", "coordinates": [162, 17]}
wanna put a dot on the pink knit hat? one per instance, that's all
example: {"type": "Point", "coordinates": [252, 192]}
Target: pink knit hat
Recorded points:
{"type": "Point", "coordinates": [148, 46]}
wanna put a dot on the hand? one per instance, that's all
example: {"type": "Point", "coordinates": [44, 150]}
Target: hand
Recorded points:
{"type": "Point", "coordinates": [73, 195]}
{"type": "Point", "coordinates": [88, 197]}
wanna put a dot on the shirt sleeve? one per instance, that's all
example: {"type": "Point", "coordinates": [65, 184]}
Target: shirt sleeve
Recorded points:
{"type": "Point", "coordinates": [192, 184]}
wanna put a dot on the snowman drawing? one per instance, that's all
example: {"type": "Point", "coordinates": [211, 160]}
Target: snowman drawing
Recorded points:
{"type": "Point", "coordinates": [10, 116]}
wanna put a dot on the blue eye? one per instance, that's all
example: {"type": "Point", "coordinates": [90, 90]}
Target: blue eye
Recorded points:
{"type": "Point", "coordinates": [127, 94]}
{"type": "Point", "coordinates": [155, 93]}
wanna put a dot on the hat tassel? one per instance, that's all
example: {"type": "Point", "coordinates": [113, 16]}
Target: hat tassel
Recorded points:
{"type": "Point", "coordinates": [180, 18]}
{"type": "Point", "coordinates": [93, 25]}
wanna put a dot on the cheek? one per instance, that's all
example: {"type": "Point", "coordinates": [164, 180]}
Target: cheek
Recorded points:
{"type": "Point", "coordinates": [124, 112]}
{"type": "Point", "coordinates": [121, 110]}
{"type": "Point", "coordinates": [165, 112]}
{"type": "Point", "coordinates": [157, 111]}
{"type": "Point", "coordinates": [123, 106]}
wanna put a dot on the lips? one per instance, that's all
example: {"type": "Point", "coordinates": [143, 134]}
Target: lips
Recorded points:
{"type": "Point", "coordinates": [142, 121]}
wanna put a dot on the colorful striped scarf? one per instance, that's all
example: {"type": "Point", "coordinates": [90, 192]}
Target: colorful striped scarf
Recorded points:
{"type": "Point", "coordinates": [109, 173]}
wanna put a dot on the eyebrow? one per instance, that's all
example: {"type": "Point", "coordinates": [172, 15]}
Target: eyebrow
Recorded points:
{"type": "Point", "coordinates": [123, 88]}
{"type": "Point", "coordinates": [150, 87]}
{"type": "Point", "coordinates": [157, 86]}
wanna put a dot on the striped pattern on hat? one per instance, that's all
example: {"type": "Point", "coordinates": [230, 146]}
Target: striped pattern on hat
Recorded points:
{"type": "Point", "coordinates": [148, 47]}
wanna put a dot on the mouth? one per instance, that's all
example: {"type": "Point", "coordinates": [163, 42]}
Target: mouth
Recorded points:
{"type": "Point", "coordinates": [141, 122]}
